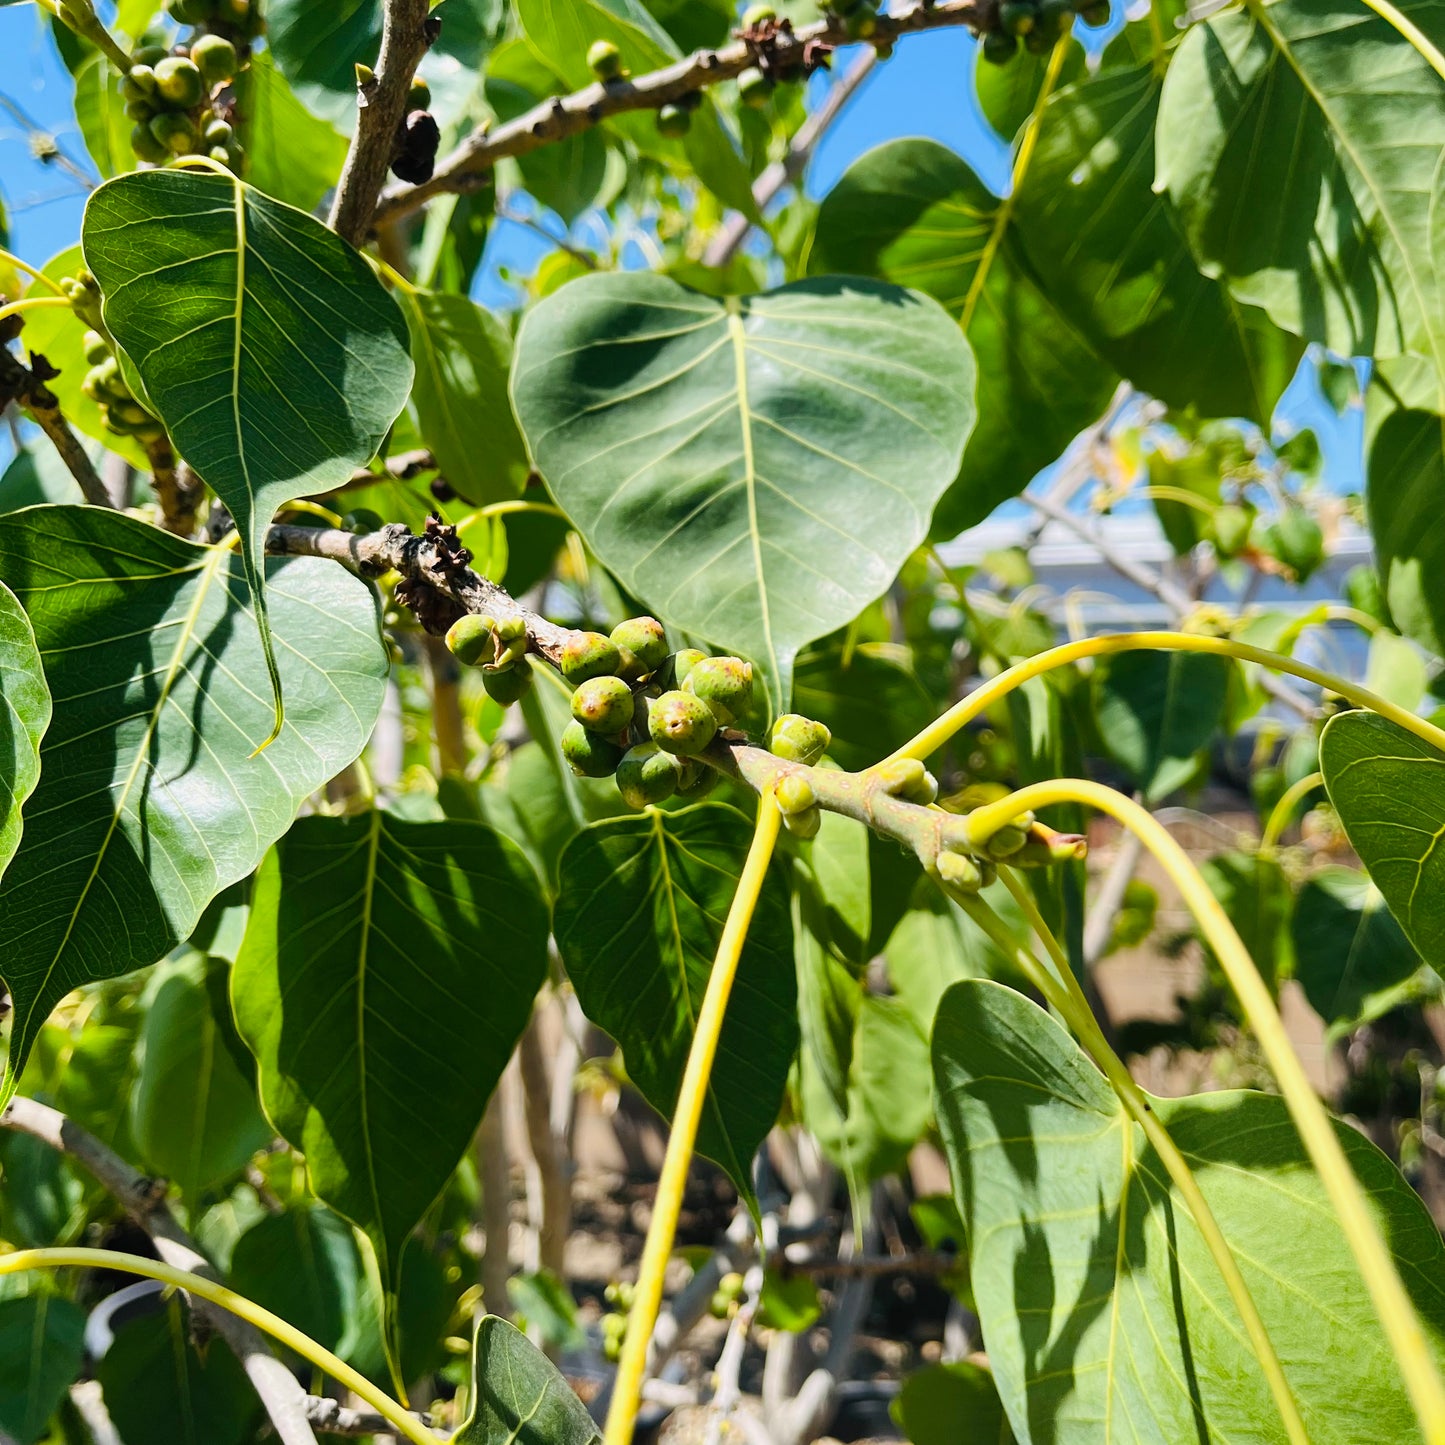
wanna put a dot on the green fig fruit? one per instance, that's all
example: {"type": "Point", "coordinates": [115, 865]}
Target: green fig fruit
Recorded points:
{"type": "Point", "coordinates": [754, 88]}
{"type": "Point", "coordinates": [139, 109]}
{"type": "Point", "coordinates": [681, 723]}
{"type": "Point", "coordinates": [603, 704]}
{"type": "Point", "coordinates": [999, 47]}
{"type": "Point", "coordinates": [472, 640]}
{"type": "Point", "coordinates": [215, 58]}
{"type": "Point", "coordinates": [218, 133]}
{"type": "Point", "coordinates": [799, 738]}
{"type": "Point", "coordinates": [1006, 842]}
{"type": "Point", "coordinates": [147, 55]}
{"type": "Point", "coordinates": [508, 686]}
{"type": "Point", "coordinates": [140, 84]}
{"type": "Point", "coordinates": [188, 12]}
{"type": "Point", "coordinates": [673, 121]}
{"type": "Point", "coordinates": [129, 413]}
{"type": "Point", "coordinates": [179, 82]}
{"type": "Point", "coordinates": [644, 638]}
{"type": "Point", "coordinates": [146, 146]}
{"type": "Point", "coordinates": [804, 825]}
{"type": "Point", "coordinates": [175, 132]}
{"type": "Point", "coordinates": [588, 754]}
{"type": "Point", "coordinates": [647, 775]}
{"type": "Point", "coordinates": [683, 663]}
{"type": "Point", "coordinates": [794, 794]}
{"type": "Point", "coordinates": [908, 779]}
{"type": "Point", "coordinates": [97, 348]}
{"type": "Point", "coordinates": [604, 60]}
{"type": "Point", "coordinates": [725, 684]}
{"type": "Point", "coordinates": [697, 780]}
{"type": "Point", "coordinates": [511, 633]}
{"type": "Point", "coordinates": [1018, 17]}
{"type": "Point", "coordinates": [419, 96]}
{"type": "Point", "coordinates": [589, 654]}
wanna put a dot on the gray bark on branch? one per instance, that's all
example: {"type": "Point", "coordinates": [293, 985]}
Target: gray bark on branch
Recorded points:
{"type": "Point", "coordinates": [567, 115]}
{"type": "Point", "coordinates": [26, 385]}
{"type": "Point", "coordinates": [406, 33]}
{"type": "Point", "coordinates": [144, 1200]}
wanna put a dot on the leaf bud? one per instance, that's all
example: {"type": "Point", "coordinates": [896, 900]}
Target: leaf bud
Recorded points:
{"type": "Point", "coordinates": [604, 60]}
{"type": "Point", "coordinates": [589, 654]}
{"type": "Point", "coordinates": [588, 754]}
{"type": "Point", "coordinates": [472, 639]}
{"type": "Point", "coordinates": [1045, 846]}
{"type": "Point", "coordinates": [603, 704]}
{"type": "Point", "coordinates": [725, 684]}
{"type": "Point", "coordinates": [647, 775]}
{"type": "Point", "coordinates": [798, 738]}
{"type": "Point", "coordinates": [179, 82]}
{"type": "Point", "coordinates": [511, 633]}
{"type": "Point", "coordinates": [794, 794]}
{"type": "Point", "coordinates": [681, 723]}
{"type": "Point", "coordinates": [508, 686]}
{"type": "Point", "coordinates": [215, 58]}
{"type": "Point", "coordinates": [1005, 842]}
{"type": "Point", "coordinates": [644, 638]}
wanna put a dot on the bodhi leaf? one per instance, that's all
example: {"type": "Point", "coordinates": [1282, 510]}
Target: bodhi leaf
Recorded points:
{"type": "Point", "coordinates": [24, 716]}
{"type": "Point", "coordinates": [1118, 264]}
{"type": "Point", "coordinates": [1103, 1313]}
{"type": "Point", "coordinates": [519, 1395]}
{"type": "Point", "coordinates": [639, 914]}
{"type": "Point", "coordinates": [912, 212]}
{"type": "Point", "coordinates": [42, 1350]}
{"type": "Point", "coordinates": [290, 153]}
{"type": "Point", "coordinates": [388, 970]}
{"type": "Point", "coordinates": [1388, 787]}
{"type": "Point", "coordinates": [193, 1109]}
{"type": "Point", "coordinates": [1328, 232]}
{"type": "Point", "coordinates": [1351, 957]}
{"type": "Point", "coordinates": [150, 800]}
{"type": "Point", "coordinates": [756, 468]}
{"type": "Point", "coordinates": [462, 356]}
{"type": "Point", "coordinates": [265, 342]}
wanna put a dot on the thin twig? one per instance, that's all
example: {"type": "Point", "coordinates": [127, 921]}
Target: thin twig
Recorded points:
{"type": "Point", "coordinates": [405, 36]}
{"type": "Point", "coordinates": [144, 1199]}
{"type": "Point", "coordinates": [567, 115]}
{"type": "Point", "coordinates": [178, 489]}
{"type": "Point", "coordinates": [734, 230]}
{"type": "Point", "coordinates": [331, 1417]}
{"type": "Point", "coordinates": [26, 385]}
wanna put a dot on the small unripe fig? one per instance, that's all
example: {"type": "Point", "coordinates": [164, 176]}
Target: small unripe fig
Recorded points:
{"type": "Point", "coordinates": [683, 663]}
{"type": "Point", "coordinates": [1018, 17]}
{"type": "Point", "coordinates": [129, 414]}
{"type": "Point", "coordinates": [720, 1306]}
{"type": "Point", "coordinates": [756, 15]}
{"type": "Point", "coordinates": [908, 779]}
{"type": "Point", "coordinates": [146, 146]}
{"type": "Point", "coordinates": [188, 12]}
{"type": "Point", "coordinates": [644, 638]}
{"type": "Point", "coordinates": [697, 780]}
{"type": "Point", "coordinates": [140, 84]}
{"type": "Point", "coordinates": [508, 686]}
{"type": "Point", "coordinates": [681, 723]}
{"type": "Point", "coordinates": [862, 23]}
{"type": "Point", "coordinates": [673, 121]}
{"type": "Point", "coordinates": [174, 131]}
{"type": "Point", "coordinates": [419, 96]}
{"type": "Point", "coordinates": [97, 348]}
{"type": "Point", "coordinates": [139, 109]}
{"type": "Point", "coordinates": [725, 684]}
{"type": "Point", "coordinates": [999, 47]}
{"type": "Point", "coordinates": [604, 60]}
{"type": "Point", "coordinates": [961, 871]}
{"type": "Point", "coordinates": [805, 824]}
{"type": "Point", "coordinates": [646, 775]}
{"type": "Point", "coordinates": [588, 754]}
{"type": "Point", "coordinates": [603, 704]}
{"type": "Point", "coordinates": [361, 521]}
{"type": "Point", "coordinates": [754, 88]}
{"type": "Point", "coordinates": [471, 640]}
{"type": "Point", "coordinates": [798, 738]}
{"type": "Point", "coordinates": [794, 794]}
{"type": "Point", "coordinates": [511, 634]}
{"type": "Point", "coordinates": [221, 156]}
{"type": "Point", "coordinates": [1039, 41]}
{"type": "Point", "coordinates": [147, 55]}
{"type": "Point", "coordinates": [179, 82]}
{"type": "Point", "coordinates": [1096, 13]}
{"type": "Point", "coordinates": [589, 654]}
{"type": "Point", "coordinates": [218, 133]}
{"type": "Point", "coordinates": [215, 58]}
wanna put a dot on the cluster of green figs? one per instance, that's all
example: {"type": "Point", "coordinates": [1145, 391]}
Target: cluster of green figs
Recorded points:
{"type": "Point", "coordinates": [104, 383]}
{"type": "Point", "coordinates": [640, 712]}
{"type": "Point", "coordinates": [1037, 25]}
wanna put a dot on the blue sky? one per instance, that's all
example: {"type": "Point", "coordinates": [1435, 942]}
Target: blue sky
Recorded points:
{"type": "Point", "coordinates": [925, 89]}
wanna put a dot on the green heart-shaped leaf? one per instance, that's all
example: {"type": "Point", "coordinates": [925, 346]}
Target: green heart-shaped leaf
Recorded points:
{"type": "Point", "coordinates": [266, 344]}
{"type": "Point", "coordinates": [150, 801]}
{"type": "Point", "coordinates": [1103, 1313]}
{"type": "Point", "coordinates": [756, 469]}
{"type": "Point", "coordinates": [1388, 787]}
{"type": "Point", "coordinates": [42, 1350]}
{"type": "Point", "coordinates": [639, 913]}
{"type": "Point", "coordinates": [24, 716]}
{"type": "Point", "coordinates": [519, 1395]}
{"type": "Point", "coordinates": [388, 969]}
{"type": "Point", "coordinates": [911, 211]}
{"type": "Point", "coordinates": [1329, 230]}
